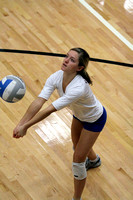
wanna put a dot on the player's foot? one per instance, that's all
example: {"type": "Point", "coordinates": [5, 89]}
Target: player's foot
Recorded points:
{"type": "Point", "coordinates": [92, 164]}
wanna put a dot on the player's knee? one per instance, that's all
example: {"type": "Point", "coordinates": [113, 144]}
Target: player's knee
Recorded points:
{"type": "Point", "coordinates": [79, 170]}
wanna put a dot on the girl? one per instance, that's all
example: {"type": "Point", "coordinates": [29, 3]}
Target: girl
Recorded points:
{"type": "Point", "coordinates": [89, 116]}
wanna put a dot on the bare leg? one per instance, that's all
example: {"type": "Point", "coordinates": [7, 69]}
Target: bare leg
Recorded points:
{"type": "Point", "coordinates": [84, 145]}
{"type": "Point", "coordinates": [91, 155]}
{"type": "Point", "coordinates": [76, 129]}
{"type": "Point", "coordinates": [78, 188]}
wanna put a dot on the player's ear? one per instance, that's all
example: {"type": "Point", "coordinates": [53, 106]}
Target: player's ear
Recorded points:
{"type": "Point", "coordinates": [80, 68]}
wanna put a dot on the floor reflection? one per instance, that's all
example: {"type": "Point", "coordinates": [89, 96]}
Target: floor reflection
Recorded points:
{"type": "Point", "coordinates": [128, 5]}
{"type": "Point", "coordinates": [53, 132]}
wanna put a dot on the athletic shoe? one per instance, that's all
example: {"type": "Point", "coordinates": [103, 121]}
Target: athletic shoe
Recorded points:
{"type": "Point", "coordinates": [92, 164]}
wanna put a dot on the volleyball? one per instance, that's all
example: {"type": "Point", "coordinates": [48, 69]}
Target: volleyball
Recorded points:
{"type": "Point", "coordinates": [12, 89]}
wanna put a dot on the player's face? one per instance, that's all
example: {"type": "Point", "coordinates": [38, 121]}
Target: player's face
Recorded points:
{"type": "Point", "coordinates": [71, 61]}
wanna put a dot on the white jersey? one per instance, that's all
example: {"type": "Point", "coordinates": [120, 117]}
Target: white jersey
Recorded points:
{"type": "Point", "coordinates": [78, 97]}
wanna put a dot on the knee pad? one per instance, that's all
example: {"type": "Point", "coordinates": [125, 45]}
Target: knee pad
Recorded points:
{"type": "Point", "coordinates": [79, 170]}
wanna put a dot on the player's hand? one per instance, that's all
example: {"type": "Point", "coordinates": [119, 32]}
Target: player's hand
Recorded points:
{"type": "Point", "coordinates": [19, 131]}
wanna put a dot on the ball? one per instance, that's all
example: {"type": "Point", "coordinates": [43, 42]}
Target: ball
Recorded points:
{"type": "Point", "coordinates": [12, 89]}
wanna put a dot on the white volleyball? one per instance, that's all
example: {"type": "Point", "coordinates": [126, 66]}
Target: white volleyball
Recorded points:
{"type": "Point", "coordinates": [12, 88]}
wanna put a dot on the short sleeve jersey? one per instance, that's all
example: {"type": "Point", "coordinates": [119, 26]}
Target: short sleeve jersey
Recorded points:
{"type": "Point", "coordinates": [78, 96]}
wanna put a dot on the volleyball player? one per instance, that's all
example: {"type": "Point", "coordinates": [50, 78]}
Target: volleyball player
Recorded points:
{"type": "Point", "coordinates": [89, 116]}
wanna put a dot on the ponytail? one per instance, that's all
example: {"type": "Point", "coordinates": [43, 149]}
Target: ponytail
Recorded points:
{"type": "Point", "coordinates": [85, 75]}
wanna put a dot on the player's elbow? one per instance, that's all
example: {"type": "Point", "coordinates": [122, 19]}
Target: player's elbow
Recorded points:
{"type": "Point", "coordinates": [51, 109]}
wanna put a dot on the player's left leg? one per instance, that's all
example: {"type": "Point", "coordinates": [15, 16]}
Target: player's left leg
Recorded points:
{"type": "Point", "coordinates": [84, 145]}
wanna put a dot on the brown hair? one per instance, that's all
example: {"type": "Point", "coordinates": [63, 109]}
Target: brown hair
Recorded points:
{"type": "Point", "coordinates": [83, 61]}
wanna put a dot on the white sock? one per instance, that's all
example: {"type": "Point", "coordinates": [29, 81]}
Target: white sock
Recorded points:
{"type": "Point", "coordinates": [95, 159]}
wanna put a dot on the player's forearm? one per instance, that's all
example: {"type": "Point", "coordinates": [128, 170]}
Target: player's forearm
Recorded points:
{"type": "Point", "coordinates": [31, 111]}
{"type": "Point", "coordinates": [40, 116]}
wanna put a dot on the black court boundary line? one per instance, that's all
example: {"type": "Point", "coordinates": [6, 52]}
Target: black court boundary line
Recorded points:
{"type": "Point", "coordinates": [63, 55]}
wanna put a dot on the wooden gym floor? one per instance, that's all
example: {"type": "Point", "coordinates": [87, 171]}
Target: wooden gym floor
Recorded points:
{"type": "Point", "coordinates": [38, 167]}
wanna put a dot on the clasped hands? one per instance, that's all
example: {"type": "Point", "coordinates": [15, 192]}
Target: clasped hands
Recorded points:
{"type": "Point", "coordinates": [19, 131]}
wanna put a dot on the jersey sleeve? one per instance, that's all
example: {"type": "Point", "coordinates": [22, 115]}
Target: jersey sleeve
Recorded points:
{"type": "Point", "coordinates": [67, 99]}
{"type": "Point", "coordinates": [48, 88]}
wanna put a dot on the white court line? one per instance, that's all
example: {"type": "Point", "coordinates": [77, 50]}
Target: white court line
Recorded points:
{"type": "Point", "coordinates": [110, 27]}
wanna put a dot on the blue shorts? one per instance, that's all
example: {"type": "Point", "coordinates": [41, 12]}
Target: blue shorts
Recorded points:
{"type": "Point", "coordinates": [96, 126]}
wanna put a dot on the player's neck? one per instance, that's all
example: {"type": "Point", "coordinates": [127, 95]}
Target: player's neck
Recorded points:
{"type": "Point", "coordinates": [68, 77]}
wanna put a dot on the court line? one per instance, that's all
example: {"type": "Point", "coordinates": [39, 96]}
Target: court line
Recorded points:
{"type": "Point", "coordinates": [109, 26]}
{"type": "Point", "coordinates": [62, 55]}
